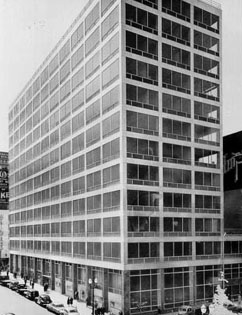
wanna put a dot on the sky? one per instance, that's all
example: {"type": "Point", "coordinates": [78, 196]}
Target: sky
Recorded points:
{"type": "Point", "coordinates": [29, 30]}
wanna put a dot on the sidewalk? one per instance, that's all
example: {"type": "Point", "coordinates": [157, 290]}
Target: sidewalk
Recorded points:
{"type": "Point", "coordinates": [57, 297]}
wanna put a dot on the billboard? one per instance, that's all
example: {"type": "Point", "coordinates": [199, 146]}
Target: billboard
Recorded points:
{"type": "Point", "coordinates": [4, 188]}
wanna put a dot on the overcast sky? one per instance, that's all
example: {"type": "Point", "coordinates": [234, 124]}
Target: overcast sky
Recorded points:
{"type": "Point", "coordinates": [29, 29]}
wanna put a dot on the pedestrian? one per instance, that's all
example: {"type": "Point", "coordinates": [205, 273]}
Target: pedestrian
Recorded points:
{"type": "Point", "coordinates": [71, 300]}
{"type": "Point", "coordinates": [68, 301]}
{"type": "Point", "coordinates": [32, 284]}
{"type": "Point", "coordinates": [76, 295]}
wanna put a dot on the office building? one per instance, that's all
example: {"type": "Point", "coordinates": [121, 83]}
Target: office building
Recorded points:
{"type": "Point", "coordinates": [116, 158]}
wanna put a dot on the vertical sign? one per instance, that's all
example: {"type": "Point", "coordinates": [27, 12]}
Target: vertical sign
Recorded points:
{"type": "Point", "coordinates": [4, 190]}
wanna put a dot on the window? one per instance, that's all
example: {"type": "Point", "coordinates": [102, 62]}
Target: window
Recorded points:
{"type": "Point", "coordinates": [94, 227]}
{"type": "Point", "coordinates": [142, 123]}
{"type": "Point", "coordinates": [79, 206]}
{"type": "Point", "coordinates": [66, 248]}
{"type": "Point", "coordinates": [206, 20]}
{"type": "Point", "coordinates": [206, 66]}
{"type": "Point", "coordinates": [92, 65]}
{"type": "Point", "coordinates": [92, 42]}
{"type": "Point", "coordinates": [110, 48]}
{"type": "Point", "coordinates": [65, 150]}
{"type": "Point", "coordinates": [177, 287]}
{"type": "Point", "coordinates": [177, 226]}
{"type": "Point", "coordinates": [207, 203]}
{"type": "Point", "coordinates": [142, 174]}
{"type": "Point", "coordinates": [208, 248]}
{"type": "Point", "coordinates": [94, 250]}
{"type": "Point", "coordinates": [207, 226]}
{"type": "Point", "coordinates": [65, 90]}
{"type": "Point", "coordinates": [176, 32]}
{"type": "Point", "coordinates": [176, 129]}
{"type": "Point", "coordinates": [93, 135]}
{"type": "Point", "coordinates": [94, 205]}
{"type": "Point", "coordinates": [93, 158]}
{"type": "Point", "coordinates": [111, 252]}
{"type": "Point", "coordinates": [207, 181]}
{"type": "Point", "coordinates": [79, 228]}
{"type": "Point", "coordinates": [142, 97]}
{"type": "Point", "coordinates": [177, 178]}
{"type": "Point", "coordinates": [105, 5]}
{"type": "Point", "coordinates": [110, 74]}
{"type": "Point", "coordinates": [141, 45]}
{"type": "Point", "coordinates": [77, 57]}
{"type": "Point", "coordinates": [206, 112]}
{"type": "Point", "coordinates": [78, 100]}
{"type": "Point", "coordinates": [173, 153]}
{"type": "Point", "coordinates": [93, 88]}
{"type": "Point", "coordinates": [142, 226]}
{"type": "Point", "coordinates": [109, 24]}
{"type": "Point", "coordinates": [77, 36]}
{"type": "Point", "coordinates": [79, 249]}
{"type": "Point", "coordinates": [36, 102]}
{"type": "Point", "coordinates": [78, 185]}
{"type": "Point", "coordinates": [207, 135]}
{"type": "Point", "coordinates": [77, 79]}
{"type": "Point", "coordinates": [111, 226]}
{"type": "Point", "coordinates": [176, 81]}
{"type": "Point", "coordinates": [177, 202]}
{"type": "Point", "coordinates": [66, 189]}
{"type": "Point", "coordinates": [176, 105]}
{"type": "Point", "coordinates": [206, 43]}
{"type": "Point", "coordinates": [176, 56]}
{"type": "Point", "coordinates": [93, 111]}
{"type": "Point", "coordinates": [111, 175]}
{"type": "Point", "coordinates": [111, 201]}
{"type": "Point", "coordinates": [143, 250]}
{"type": "Point", "coordinates": [66, 169]}
{"type": "Point", "coordinates": [78, 164]}
{"type": "Point", "coordinates": [206, 89]}
{"type": "Point", "coordinates": [54, 138]}
{"type": "Point", "coordinates": [143, 200]}
{"type": "Point", "coordinates": [66, 209]}
{"type": "Point", "coordinates": [65, 111]}
{"type": "Point", "coordinates": [92, 18]}
{"type": "Point", "coordinates": [65, 71]}
{"type": "Point", "coordinates": [110, 100]}
{"type": "Point", "coordinates": [141, 19]}
{"type": "Point", "coordinates": [207, 158]}
{"type": "Point", "coordinates": [111, 125]}
{"type": "Point", "coordinates": [94, 181]}
{"type": "Point", "coordinates": [177, 249]}
{"type": "Point", "coordinates": [44, 110]}
{"type": "Point", "coordinates": [111, 150]}
{"type": "Point", "coordinates": [53, 65]}
{"type": "Point", "coordinates": [177, 8]}
{"type": "Point", "coordinates": [142, 149]}
{"type": "Point", "coordinates": [141, 71]}
{"type": "Point", "coordinates": [54, 120]}
{"type": "Point", "coordinates": [64, 51]}
{"type": "Point", "coordinates": [78, 143]}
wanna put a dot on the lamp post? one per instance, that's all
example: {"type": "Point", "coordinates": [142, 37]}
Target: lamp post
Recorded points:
{"type": "Point", "coordinates": [92, 282]}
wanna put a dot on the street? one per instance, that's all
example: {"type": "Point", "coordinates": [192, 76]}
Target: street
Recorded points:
{"type": "Point", "coordinates": [11, 301]}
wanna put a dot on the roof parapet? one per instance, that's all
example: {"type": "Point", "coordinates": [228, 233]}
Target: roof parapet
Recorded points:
{"type": "Point", "coordinates": [212, 3]}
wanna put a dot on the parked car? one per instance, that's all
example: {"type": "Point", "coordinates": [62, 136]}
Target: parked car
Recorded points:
{"type": "Point", "coordinates": [69, 310]}
{"type": "Point", "coordinates": [5, 282]}
{"type": "Point", "coordinates": [4, 277]}
{"type": "Point", "coordinates": [185, 310]}
{"type": "Point", "coordinates": [43, 300]}
{"type": "Point", "coordinates": [55, 307]}
{"type": "Point", "coordinates": [31, 294]}
{"type": "Point", "coordinates": [21, 291]}
{"type": "Point", "coordinates": [13, 284]}
{"type": "Point", "coordinates": [19, 286]}
{"type": "Point", "coordinates": [234, 308]}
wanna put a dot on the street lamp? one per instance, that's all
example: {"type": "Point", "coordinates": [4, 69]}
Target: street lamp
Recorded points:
{"type": "Point", "coordinates": [92, 282]}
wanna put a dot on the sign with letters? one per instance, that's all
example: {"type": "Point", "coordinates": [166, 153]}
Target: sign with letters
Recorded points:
{"type": "Point", "coordinates": [4, 190]}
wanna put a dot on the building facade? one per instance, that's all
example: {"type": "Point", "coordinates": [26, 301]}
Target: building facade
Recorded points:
{"type": "Point", "coordinates": [4, 200]}
{"type": "Point", "coordinates": [232, 150]}
{"type": "Point", "coordinates": [116, 158]}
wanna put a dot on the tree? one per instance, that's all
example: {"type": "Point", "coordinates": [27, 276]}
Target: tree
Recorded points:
{"type": "Point", "coordinates": [221, 300]}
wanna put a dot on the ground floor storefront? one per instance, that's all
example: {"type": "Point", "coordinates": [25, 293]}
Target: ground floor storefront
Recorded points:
{"type": "Point", "coordinates": [145, 291]}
